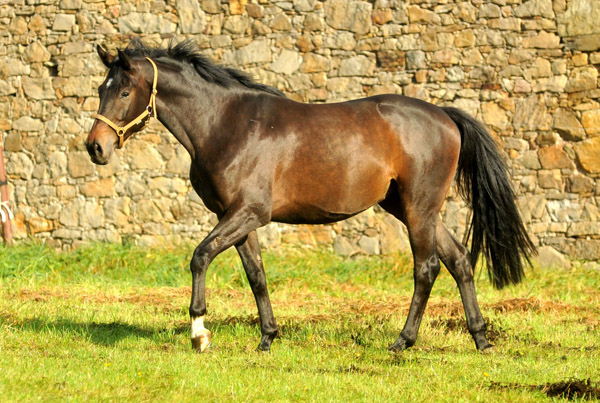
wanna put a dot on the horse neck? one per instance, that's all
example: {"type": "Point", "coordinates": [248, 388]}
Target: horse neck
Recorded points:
{"type": "Point", "coordinates": [187, 106]}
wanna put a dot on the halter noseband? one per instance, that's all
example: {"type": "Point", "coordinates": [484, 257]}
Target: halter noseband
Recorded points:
{"type": "Point", "coordinates": [142, 117]}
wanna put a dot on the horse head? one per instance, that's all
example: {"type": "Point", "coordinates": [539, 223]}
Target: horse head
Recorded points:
{"type": "Point", "coordinates": [127, 101]}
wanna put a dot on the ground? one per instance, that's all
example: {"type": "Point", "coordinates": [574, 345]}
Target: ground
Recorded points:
{"type": "Point", "coordinates": [110, 322]}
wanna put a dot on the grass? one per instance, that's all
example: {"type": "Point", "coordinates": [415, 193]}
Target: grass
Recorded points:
{"type": "Point", "coordinates": [109, 322]}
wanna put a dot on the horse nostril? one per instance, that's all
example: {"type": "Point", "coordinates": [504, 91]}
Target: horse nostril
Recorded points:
{"type": "Point", "coordinates": [97, 149]}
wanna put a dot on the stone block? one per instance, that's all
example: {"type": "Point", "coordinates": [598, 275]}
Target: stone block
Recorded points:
{"type": "Point", "coordinates": [415, 60]}
{"type": "Point", "coordinates": [19, 165]}
{"type": "Point", "coordinates": [281, 23]}
{"type": "Point", "coordinates": [535, 8]}
{"type": "Point", "coordinates": [313, 63]}
{"type": "Point", "coordinates": [543, 40]}
{"type": "Point", "coordinates": [10, 66]}
{"type": "Point", "coordinates": [531, 113]}
{"type": "Point", "coordinates": [369, 245]}
{"type": "Point", "coordinates": [304, 6]}
{"type": "Point", "coordinates": [356, 66]}
{"type": "Point", "coordinates": [100, 188]}
{"type": "Point", "coordinates": [192, 19]}
{"type": "Point", "coordinates": [588, 155]}
{"type": "Point", "coordinates": [352, 16]}
{"type": "Point", "coordinates": [314, 22]}
{"type": "Point", "coordinates": [580, 18]}
{"type": "Point", "coordinates": [57, 164]}
{"type": "Point", "coordinates": [417, 14]}
{"type": "Point", "coordinates": [343, 246]}
{"type": "Point", "coordinates": [147, 23]}
{"type": "Point", "coordinates": [581, 184]}
{"type": "Point", "coordinates": [591, 122]}
{"type": "Point", "coordinates": [269, 236]}
{"type": "Point", "coordinates": [63, 22]}
{"type": "Point", "coordinates": [70, 4]}
{"type": "Point", "coordinates": [13, 142]}
{"type": "Point", "coordinates": [141, 155]}
{"type": "Point", "coordinates": [236, 7]}
{"type": "Point", "coordinates": [382, 16]}
{"type": "Point", "coordinates": [211, 6]}
{"type": "Point", "coordinates": [36, 53]}
{"type": "Point", "coordinates": [38, 88]}
{"type": "Point", "coordinates": [582, 79]}
{"type": "Point", "coordinates": [287, 62]}
{"type": "Point", "coordinates": [236, 24]}
{"type": "Point", "coordinates": [550, 258]}
{"type": "Point", "coordinates": [28, 124]}
{"type": "Point", "coordinates": [117, 211]}
{"type": "Point", "coordinates": [79, 164]}
{"type": "Point", "coordinates": [555, 157]}
{"type": "Point", "coordinates": [565, 122]}
{"type": "Point", "coordinates": [257, 51]}
{"type": "Point", "coordinates": [494, 116]}
{"type": "Point", "coordinates": [391, 60]}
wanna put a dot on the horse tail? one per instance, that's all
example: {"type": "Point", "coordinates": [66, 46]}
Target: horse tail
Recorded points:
{"type": "Point", "coordinates": [496, 229]}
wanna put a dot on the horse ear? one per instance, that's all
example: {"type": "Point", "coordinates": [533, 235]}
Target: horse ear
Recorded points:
{"type": "Point", "coordinates": [125, 61]}
{"type": "Point", "coordinates": [106, 57]}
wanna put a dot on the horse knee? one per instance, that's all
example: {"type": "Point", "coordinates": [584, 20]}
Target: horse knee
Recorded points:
{"type": "Point", "coordinates": [200, 260]}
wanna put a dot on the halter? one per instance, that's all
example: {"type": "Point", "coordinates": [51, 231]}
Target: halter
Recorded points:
{"type": "Point", "coordinates": [142, 117]}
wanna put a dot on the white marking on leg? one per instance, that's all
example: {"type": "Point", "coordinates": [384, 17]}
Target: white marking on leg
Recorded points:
{"type": "Point", "coordinates": [200, 334]}
{"type": "Point", "coordinates": [198, 328]}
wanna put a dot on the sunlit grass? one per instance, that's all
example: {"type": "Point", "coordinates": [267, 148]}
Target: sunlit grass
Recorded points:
{"type": "Point", "coordinates": [110, 322]}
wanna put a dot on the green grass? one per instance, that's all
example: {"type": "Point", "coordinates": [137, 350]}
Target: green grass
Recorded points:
{"type": "Point", "coordinates": [109, 322]}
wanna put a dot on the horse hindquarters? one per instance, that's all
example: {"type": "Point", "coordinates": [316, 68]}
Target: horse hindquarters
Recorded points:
{"type": "Point", "coordinates": [428, 161]}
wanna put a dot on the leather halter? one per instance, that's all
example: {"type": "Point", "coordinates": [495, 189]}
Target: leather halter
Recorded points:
{"type": "Point", "coordinates": [142, 117]}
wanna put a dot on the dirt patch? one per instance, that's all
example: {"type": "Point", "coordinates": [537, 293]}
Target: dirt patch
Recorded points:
{"type": "Point", "coordinates": [532, 304]}
{"type": "Point", "coordinates": [570, 389]}
{"type": "Point", "coordinates": [573, 389]}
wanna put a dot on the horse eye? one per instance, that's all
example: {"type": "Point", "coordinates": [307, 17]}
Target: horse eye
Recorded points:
{"type": "Point", "coordinates": [124, 94]}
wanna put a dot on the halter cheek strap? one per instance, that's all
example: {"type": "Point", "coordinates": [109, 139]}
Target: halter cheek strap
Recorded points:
{"type": "Point", "coordinates": [143, 117]}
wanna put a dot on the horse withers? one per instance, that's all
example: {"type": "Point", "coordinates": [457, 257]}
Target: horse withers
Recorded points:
{"type": "Point", "coordinates": [257, 156]}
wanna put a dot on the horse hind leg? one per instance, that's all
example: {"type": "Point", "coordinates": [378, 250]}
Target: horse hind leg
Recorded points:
{"type": "Point", "coordinates": [456, 259]}
{"type": "Point", "coordinates": [249, 251]}
{"type": "Point", "coordinates": [422, 234]}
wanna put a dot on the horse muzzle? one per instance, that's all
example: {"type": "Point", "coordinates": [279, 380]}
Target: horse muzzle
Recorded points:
{"type": "Point", "coordinates": [100, 145]}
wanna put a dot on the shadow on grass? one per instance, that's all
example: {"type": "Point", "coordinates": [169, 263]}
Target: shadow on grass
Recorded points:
{"type": "Point", "coordinates": [106, 334]}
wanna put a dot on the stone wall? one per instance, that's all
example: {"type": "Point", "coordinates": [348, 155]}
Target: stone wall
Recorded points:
{"type": "Point", "coordinates": [528, 69]}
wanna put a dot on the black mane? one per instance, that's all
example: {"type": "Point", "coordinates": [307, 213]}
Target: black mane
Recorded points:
{"type": "Point", "coordinates": [188, 52]}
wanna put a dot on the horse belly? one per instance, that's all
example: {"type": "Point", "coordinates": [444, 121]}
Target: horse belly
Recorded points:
{"type": "Point", "coordinates": [327, 197]}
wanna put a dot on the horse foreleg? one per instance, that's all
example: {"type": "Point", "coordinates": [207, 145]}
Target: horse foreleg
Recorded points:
{"type": "Point", "coordinates": [249, 252]}
{"type": "Point", "coordinates": [456, 258]}
{"type": "Point", "coordinates": [230, 230]}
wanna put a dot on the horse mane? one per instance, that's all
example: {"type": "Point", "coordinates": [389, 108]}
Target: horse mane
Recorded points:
{"type": "Point", "coordinates": [188, 51]}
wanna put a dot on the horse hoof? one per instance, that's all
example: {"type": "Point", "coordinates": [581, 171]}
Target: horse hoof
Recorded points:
{"type": "Point", "coordinates": [487, 348]}
{"type": "Point", "coordinates": [202, 342]}
{"type": "Point", "coordinates": [399, 345]}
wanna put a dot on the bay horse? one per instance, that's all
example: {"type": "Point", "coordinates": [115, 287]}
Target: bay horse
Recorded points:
{"type": "Point", "coordinates": [258, 156]}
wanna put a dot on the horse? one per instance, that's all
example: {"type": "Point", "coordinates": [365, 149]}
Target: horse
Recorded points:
{"type": "Point", "coordinates": [258, 156]}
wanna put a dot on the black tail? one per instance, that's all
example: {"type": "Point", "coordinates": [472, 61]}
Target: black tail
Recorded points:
{"type": "Point", "coordinates": [483, 181]}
